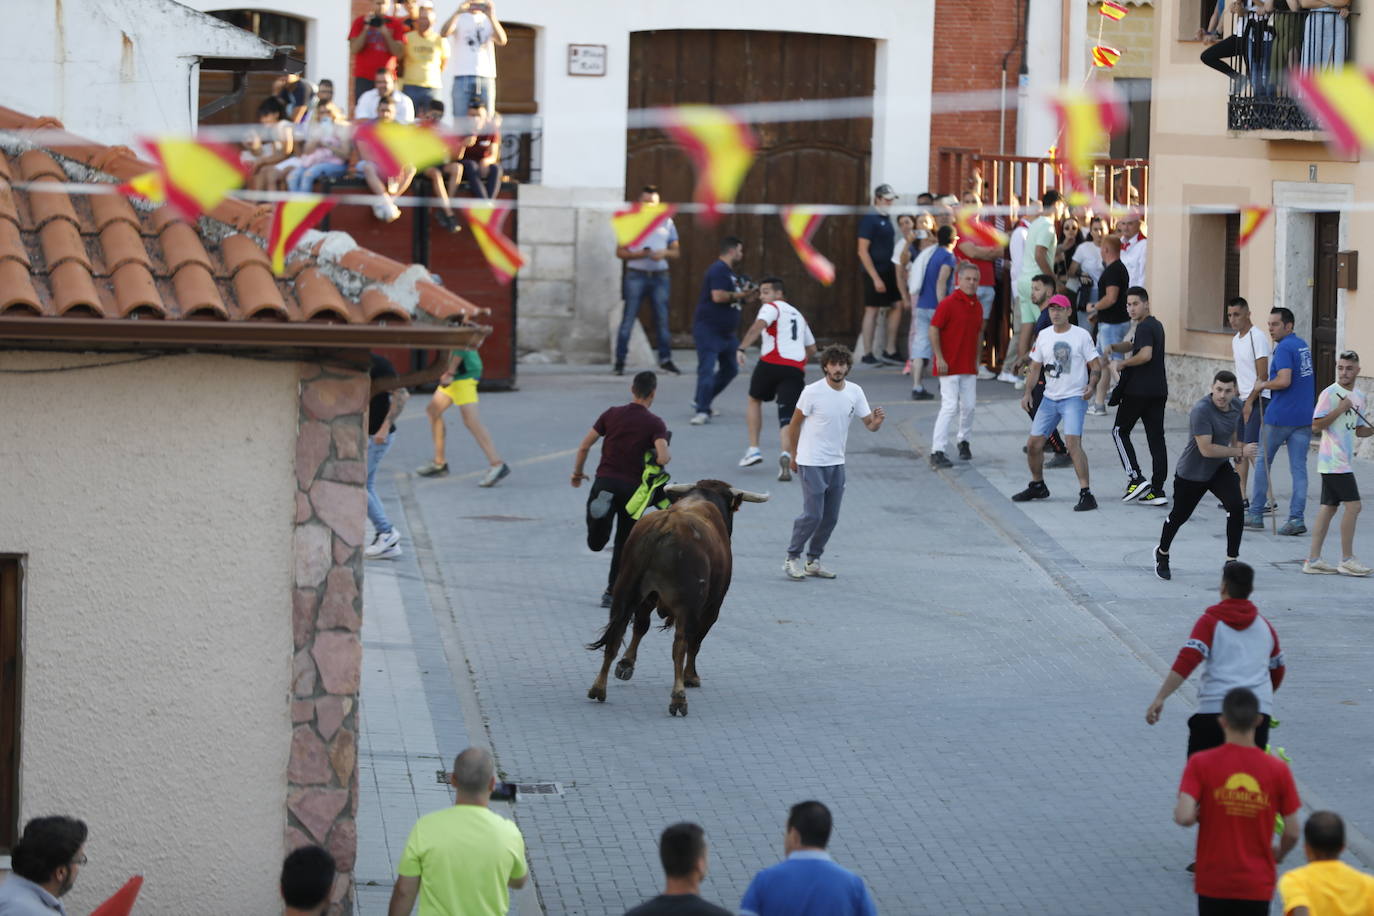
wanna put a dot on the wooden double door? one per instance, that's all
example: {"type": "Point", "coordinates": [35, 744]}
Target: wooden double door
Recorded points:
{"type": "Point", "coordinates": [822, 161]}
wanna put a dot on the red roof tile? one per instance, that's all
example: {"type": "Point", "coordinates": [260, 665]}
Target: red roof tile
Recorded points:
{"type": "Point", "coordinates": [98, 256]}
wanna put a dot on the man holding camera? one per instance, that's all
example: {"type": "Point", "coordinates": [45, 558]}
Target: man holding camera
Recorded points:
{"type": "Point", "coordinates": [715, 329]}
{"type": "Point", "coordinates": [375, 40]}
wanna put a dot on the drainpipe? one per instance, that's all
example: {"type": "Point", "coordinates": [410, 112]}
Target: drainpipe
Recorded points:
{"type": "Point", "coordinates": [1020, 41]}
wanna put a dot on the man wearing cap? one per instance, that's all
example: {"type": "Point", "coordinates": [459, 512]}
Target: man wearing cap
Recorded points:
{"type": "Point", "coordinates": [877, 240]}
{"type": "Point", "coordinates": [1069, 361]}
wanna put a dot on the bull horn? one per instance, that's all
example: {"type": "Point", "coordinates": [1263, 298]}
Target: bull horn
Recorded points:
{"type": "Point", "coordinates": [677, 489]}
{"type": "Point", "coordinates": [748, 496]}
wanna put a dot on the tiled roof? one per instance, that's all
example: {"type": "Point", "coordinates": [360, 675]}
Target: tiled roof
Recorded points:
{"type": "Point", "coordinates": [100, 258]}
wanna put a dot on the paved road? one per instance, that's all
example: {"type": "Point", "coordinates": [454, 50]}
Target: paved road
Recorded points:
{"type": "Point", "coordinates": [968, 696]}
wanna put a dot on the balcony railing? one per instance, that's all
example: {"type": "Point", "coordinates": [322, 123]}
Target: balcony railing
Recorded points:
{"type": "Point", "coordinates": [1261, 55]}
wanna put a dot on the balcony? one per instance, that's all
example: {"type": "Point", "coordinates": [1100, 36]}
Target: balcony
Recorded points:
{"type": "Point", "coordinates": [1261, 56]}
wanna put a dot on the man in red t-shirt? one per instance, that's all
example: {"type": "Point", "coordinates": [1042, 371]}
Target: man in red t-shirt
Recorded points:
{"type": "Point", "coordinates": [1233, 793]}
{"type": "Point", "coordinates": [375, 41]}
{"type": "Point", "coordinates": [955, 331]}
{"type": "Point", "coordinates": [986, 260]}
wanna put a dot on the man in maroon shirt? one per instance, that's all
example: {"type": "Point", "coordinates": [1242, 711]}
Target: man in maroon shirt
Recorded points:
{"type": "Point", "coordinates": [955, 332]}
{"type": "Point", "coordinates": [630, 431]}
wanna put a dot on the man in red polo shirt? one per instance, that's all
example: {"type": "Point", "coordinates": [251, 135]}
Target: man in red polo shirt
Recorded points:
{"type": "Point", "coordinates": [1233, 793]}
{"type": "Point", "coordinates": [955, 330]}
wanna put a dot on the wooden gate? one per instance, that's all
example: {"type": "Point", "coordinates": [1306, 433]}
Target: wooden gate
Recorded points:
{"type": "Point", "coordinates": [799, 162]}
{"type": "Point", "coordinates": [1323, 339]}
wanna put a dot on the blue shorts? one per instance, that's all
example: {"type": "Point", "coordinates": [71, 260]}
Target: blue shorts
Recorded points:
{"type": "Point", "coordinates": [1251, 431]}
{"type": "Point", "coordinates": [1108, 334]}
{"type": "Point", "coordinates": [920, 334]}
{"type": "Point", "coordinates": [1071, 410]}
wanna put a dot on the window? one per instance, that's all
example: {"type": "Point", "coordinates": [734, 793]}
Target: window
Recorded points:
{"type": "Point", "coordinates": [1213, 268]}
{"type": "Point", "coordinates": [11, 574]}
{"type": "Point", "coordinates": [1134, 141]}
{"type": "Point", "coordinates": [1230, 280]}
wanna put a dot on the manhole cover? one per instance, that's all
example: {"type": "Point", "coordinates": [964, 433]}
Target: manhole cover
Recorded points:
{"type": "Point", "coordinates": [498, 518]}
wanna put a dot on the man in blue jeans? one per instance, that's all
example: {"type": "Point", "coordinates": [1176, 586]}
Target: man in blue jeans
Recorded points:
{"type": "Point", "coordinates": [646, 274]}
{"type": "Point", "coordinates": [716, 327]}
{"type": "Point", "coordinates": [382, 412]}
{"type": "Point", "coordinates": [1288, 419]}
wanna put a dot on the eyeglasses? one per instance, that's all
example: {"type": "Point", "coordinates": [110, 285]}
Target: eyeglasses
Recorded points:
{"type": "Point", "coordinates": [80, 861]}
{"type": "Point", "coordinates": [1350, 356]}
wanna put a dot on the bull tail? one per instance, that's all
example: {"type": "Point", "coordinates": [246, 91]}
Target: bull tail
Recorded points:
{"type": "Point", "coordinates": [622, 612]}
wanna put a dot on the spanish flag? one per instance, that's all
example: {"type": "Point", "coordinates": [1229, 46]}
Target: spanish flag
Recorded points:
{"type": "Point", "coordinates": [148, 186]}
{"type": "Point", "coordinates": [973, 229]}
{"type": "Point", "coordinates": [1342, 101]}
{"type": "Point", "coordinates": [1251, 218]}
{"type": "Point", "coordinates": [634, 224]}
{"type": "Point", "coordinates": [1114, 11]}
{"type": "Point", "coordinates": [1105, 57]}
{"type": "Point", "coordinates": [801, 223]}
{"type": "Point", "coordinates": [393, 147]}
{"type": "Point", "coordinates": [720, 146]}
{"type": "Point", "coordinates": [487, 221]}
{"type": "Point", "coordinates": [196, 175]}
{"type": "Point", "coordinates": [1086, 118]}
{"type": "Point", "coordinates": [291, 219]}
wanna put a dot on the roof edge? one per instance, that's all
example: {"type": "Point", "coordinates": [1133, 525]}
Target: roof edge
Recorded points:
{"type": "Point", "coordinates": [235, 334]}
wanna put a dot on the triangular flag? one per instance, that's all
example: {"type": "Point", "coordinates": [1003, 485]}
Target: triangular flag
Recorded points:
{"type": "Point", "coordinates": [121, 902]}
{"type": "Point", "coordinates": [1251, 218]}
{"type": "Point", "coordinates": [197, 175]}
{"type": "Point", "coordinates": [487, 222]}
{"type": "Point", "coordinates": [1105, 57]}
{"type": "Point", "coordinates": [291, 219]}
{"type": "Point", "coordinates": [720, 146]}
{"type": "Point", "coordinates": [1342, 101]}
{"type": "Point", "coordinates": [1085, 115]}
{"type": "Point", "coordinates": [801, 223]}
{"type": "Point", "coordinates": [1114, 11]}
{"type": "Point", "coordinates": [393, 147]}
{"type": "Point", "coordinates": [634, 224]}
{"type": "Point", "coordinates": [148, 186]}
{"type": "Point", "coordinates": [973, 229]}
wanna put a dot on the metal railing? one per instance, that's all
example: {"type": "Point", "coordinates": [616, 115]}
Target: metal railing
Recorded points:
{"type": "Point", "coordinates": [1125, 182]}
{"type": "Point", "coordinates": [1261, 55]}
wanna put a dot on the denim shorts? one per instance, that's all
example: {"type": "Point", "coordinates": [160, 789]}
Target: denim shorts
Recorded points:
{"type": "Point", "coordinates": [1108, 334]}
{"type": "Point", "coordinates": [920, 334]}
{"type": "Point", "coordinates": [1071, 410]}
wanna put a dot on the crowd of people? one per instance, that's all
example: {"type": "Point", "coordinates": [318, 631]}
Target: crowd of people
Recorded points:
{"type": "Point", "coordinates": [304, 136]}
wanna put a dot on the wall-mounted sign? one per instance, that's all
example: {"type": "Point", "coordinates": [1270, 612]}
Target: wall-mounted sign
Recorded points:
{"type": "Point", "coordinates": [586, 60]}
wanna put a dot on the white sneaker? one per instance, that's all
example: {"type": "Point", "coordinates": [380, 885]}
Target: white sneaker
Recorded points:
{"type": "Point", "coordinates": [1352, 567]}
{"type": "Point", "coordinates": [1019, 384]}
{"type": "Point", "coordinates": [1008, 377]}
{"type": "Point", "coordinates": [785, 466]}
{"type": "Point", "coordinates": [382, 543]}
{"type": "Point", "coordinates": [380, 211]}
{"type": "Point", "coordinates": [1318, 567]}
{"type": "Point", "coordinates": [752, 457]}
{"type": "Point", "coordinates": [814, 568]}
{"type": "Point", "coordinates": [699, 419]}
{"type": "Point", "coordinates": [985, 374]}
{"type": "Point", "coordinates": [793, 567]}
{"type": "Point", "coordinates": [394, 214]}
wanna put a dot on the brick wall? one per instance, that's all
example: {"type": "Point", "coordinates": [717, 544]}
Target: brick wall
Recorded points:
{"type": "Point", "coordinates": [970, 39]}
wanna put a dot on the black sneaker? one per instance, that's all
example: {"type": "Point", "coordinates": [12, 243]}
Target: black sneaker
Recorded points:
{"type": "Point", "coordinates": [965, 453]}
{"type": "Point", "coordinates": [892, 358]}
{"type": "Point", "coordinates": [938, 460]}
{"type": "Point", "coordinates": [667, 366]}
{"type": "Point", "coordinates": [606, 598]}
{"type": "Point", "coordinates": [1035, 490]}
{"type": "Point", "coordinates": [1152, 497]}
{"type": "Point", "coordinates": [868, 359]}
{"type": "Point", "coordinates": [619, 369]}
{"type": "Point", "coordinates": [1086, 501]}
{"type": "Point", "coordinates": [920, 394]}
{"type": "Point", "coordinates": [1162, 565]}
{"type": "Point", "coordinates": [447, 220]}
{"type": "Point", "coordinates": [1136, 486]}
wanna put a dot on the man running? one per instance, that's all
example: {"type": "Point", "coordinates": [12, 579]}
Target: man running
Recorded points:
{"type": "Point", "coordinates": [786, 343]}
{"type": "Point", "coordinates": [458, 385]}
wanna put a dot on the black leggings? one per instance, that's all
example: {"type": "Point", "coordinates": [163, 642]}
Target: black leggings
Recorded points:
{"type": "Point", "coordinates": [1150, 411]}
{"type": "Point", "coordinates": [1225, 486]}
{"type": "Point", "coordinates": [1249, 44]}
{"type": "Point", "coordinates": [599, 529]}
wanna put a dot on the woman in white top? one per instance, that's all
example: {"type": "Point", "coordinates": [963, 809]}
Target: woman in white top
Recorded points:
{"type": "Point", "coordinates": [1086, 266]}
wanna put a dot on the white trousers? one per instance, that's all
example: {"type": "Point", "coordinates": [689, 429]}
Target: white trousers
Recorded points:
{"type": "Point", "coordinates": [957, 392]}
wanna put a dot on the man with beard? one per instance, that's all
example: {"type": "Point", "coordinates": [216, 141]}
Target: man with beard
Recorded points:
{"type": "Point", "coordinates": [45, 863]}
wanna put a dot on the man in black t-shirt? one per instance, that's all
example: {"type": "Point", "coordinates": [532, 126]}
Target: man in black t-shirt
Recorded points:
{"type": "Point", "coordinates": [1113, 321]}
{"type": "Point", "coordinates": [1144, 392]}
{"type": "Point", "coordinates": [682, 850]}
{"type": "Point", "coordinates": [630, 431]}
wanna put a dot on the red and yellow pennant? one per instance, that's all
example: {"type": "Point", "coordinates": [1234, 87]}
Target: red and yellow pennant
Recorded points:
{"type": "Point", "coordinates": [720, 146]}
{"type": "Point", "coordinates": [635, 223]}
{"type": "Point", "coordinates": [1085, 116]}
{"type": "Point", "coordinates": [121, 902]}
{"type": "Point", "coordinates": [1342, 102]}
{"type": "Point", "coordinates": [487, 222]}
{"type": "Point", "coordinates": [393, 147]}
{"type": "Point", "coordinates": [1105, 57]}
{"type": "Point", "coordinates": [291, 219]}
{"type": "Point", "coordinates": [196, 175]}
{"type": "Point", "coordinates": [975, 230]}
{"type": "Point", "coordinates": [800, 224]}
{"type": "Point", "coordinates": [148, 186]}
{"type": "Point", "coordinates": [1113, 11]}
{"type": "Point", "coordinates": [1251, 218]}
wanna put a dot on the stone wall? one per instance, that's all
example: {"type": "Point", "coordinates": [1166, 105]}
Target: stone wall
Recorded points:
{"type": "Point", "coordinates": [331, 506]}
{"type": "Point", "coordinates": [571, 281]}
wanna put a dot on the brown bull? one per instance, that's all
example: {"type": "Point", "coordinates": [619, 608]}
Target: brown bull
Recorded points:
{"type": "Point", "coordinates": [677, 560]}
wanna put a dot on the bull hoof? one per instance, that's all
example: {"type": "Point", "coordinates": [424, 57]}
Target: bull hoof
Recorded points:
{"type": "Point", "coordinates": [625, 669]}
{"type": "Point", "coordinates": [598, 694]}
{"type": "Point", "coordinates": [678, 706]}
{"type": "Point", "coordinates": [691, 681]}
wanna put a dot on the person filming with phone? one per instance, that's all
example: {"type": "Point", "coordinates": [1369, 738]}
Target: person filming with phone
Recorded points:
{"type": "Point", "coordinates": [479, 33]}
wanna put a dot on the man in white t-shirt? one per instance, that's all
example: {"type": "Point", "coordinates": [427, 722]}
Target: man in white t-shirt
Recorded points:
{"type": "Point", "coordinates": [1067, 356]}
{"type": "Point", "coordinates": [384, 87]}
{"type": "Point", "coordinates": [786, 343]}
{"type": "Point", "coordinates": [1134, 246]}
{"type": "Point", "coordinates": [816, 439]}
{"type": "Point", "coordinates": [1250, 349]}
{"type": "Point", "coordinates": [480, 33]}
